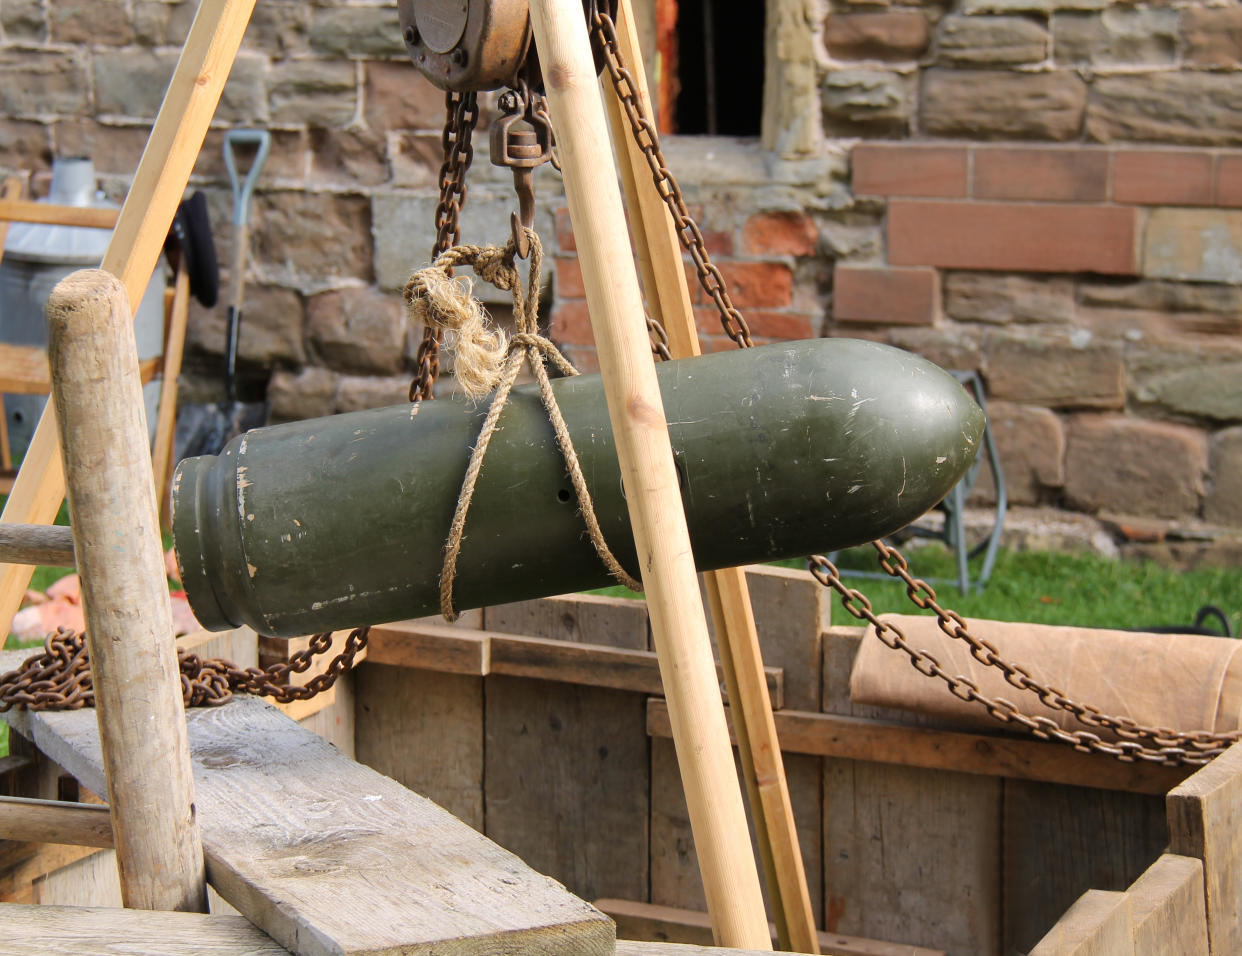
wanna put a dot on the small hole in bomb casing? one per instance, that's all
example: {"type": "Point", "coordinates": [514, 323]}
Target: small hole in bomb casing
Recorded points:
{"type": "Point", "coordinates": [563, 496]}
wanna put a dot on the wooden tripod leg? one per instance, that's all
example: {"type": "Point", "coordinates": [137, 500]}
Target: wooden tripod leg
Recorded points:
{"type": "Point", "coordinates": [134, 249]}
{"type": "Point", "coordinates": [678, 623]}
{"type": "Point", "coordinates": [659, 256]}
{"type": "Point", "coordinates": [112, 508]}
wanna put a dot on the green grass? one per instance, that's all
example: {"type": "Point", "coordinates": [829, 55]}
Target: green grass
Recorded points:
{"type": "Point", "coordinates": [1046, 588]}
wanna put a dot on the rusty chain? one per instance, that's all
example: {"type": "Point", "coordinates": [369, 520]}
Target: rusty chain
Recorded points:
{"type": "Point", "coordinates": [59, 678]}
{"type": "Point", "coordinates": [1162, 745]}
{"type": "Point", "coordinates": [462, 111]}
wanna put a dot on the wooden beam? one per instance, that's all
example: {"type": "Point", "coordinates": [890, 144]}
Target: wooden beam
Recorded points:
{"type": "Point", "coordinates": [1098, 924]}
{"type": "Point", "coordinates": [27, 210]}
{"type": "Point", "coordinates": [688, 932]}
{"type": "Point", "coordinates": [55, 821]}
{"type": "Point", "coordinates": [135, 247]}
{"type": "Point", "coordinates": [859, 738]}
{"type": "Point", "coordinates": [99, 930]}
{"type": "Point", "coordinates": [1168, 909]}
{"type": "Point", "coordinates": [328, 856]}
{"type": "Point", "coordinates": [37, 544]}
{"type": "Point", "coordinates": [23, 865]}
{"type": "Point", "coordinates": [457, 650]}
{"type": "Point", "coordinates": [129, 629]}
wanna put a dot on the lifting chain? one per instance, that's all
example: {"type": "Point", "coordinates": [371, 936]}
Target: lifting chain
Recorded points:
{"type": "Point", "coordinates": [1138, 743]}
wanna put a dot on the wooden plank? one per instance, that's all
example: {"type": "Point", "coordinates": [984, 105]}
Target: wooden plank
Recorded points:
{"type": "Point", "coordinates": [456, 650]}
{"type": "Point", "coordinates": [1167, 908]}
{"type": "Point", "coordinates": [577, 618]}
{"type": "Point", "coordinates": [1205, 822]}
{"type": "Point", "coordinates": [633, 948]}
{"type": "Point", "coordinates": [1061, 841]}
{"type": "Point", "coordinates": [46, 544]}
{"type": "Point", "coordinates": [55, 821]}
{"type": "Point", "coordinates": [856, 738]}
{"type": "Point", "coordinates": [327, 856]}
{"type": "Point", "coordinates": [91, 881]}
{"type": "Point", "coordinates": [425, 730]}
{"type": "Point", "coordinates": [98, 931]}
{"type": "Point", "coordinates": [1098, 924]}
{"type": "Point", "coordinates": [689, 932]}
{"type": "Point", "coordinates": [27, 210]}
{"type": "Point", "coordinates": [23, 370]}
{"type": "Point", "coordinates": [23, 864]}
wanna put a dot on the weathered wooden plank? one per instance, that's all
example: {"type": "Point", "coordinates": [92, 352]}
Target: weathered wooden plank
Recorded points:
{"type": "Point", "coordinates": [99, 931]}
{"type": "Point", "coordinates": [327, 856]}
{"type": "Point", "coordinates": [425, 730]}
{"type": "Point", "coordinates": [1205, 822]}
{"type": "Point", "coordinates": [22, 865]}
{"type": "Point", "coordinates": [1062, 841]}
{"type": "Point", "coordinates": [791, 611]}
{"type": "Point", "coordinates": [90, 881]}
{"type": "Point", "coordinates": [1098, 924]}
{"type": "Point", "coordinates": [579, 618]}
{"type": "Point", "coordinates": [689, 931]}
{"type": "Point", "coordinates": [856, 738]}
{"type": "Point", "coordinates": [1167, 908]}
{"type": "Point", "coordinates": [634, 948]}
{"type": "Point", "coordinates": [55, 821]}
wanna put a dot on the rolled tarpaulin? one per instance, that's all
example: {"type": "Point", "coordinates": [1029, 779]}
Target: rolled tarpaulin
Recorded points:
{"type": "Point", "coordinates": [1184, 682]}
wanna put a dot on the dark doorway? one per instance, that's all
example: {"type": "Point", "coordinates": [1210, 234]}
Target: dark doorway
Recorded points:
{"type": "Point", "coordinates": [719, 67]}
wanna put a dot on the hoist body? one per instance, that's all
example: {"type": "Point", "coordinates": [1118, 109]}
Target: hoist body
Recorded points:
{"type": "Point", "coordinates": [782, 451]}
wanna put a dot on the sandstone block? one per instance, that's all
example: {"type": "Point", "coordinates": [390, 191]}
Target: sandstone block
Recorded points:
{"type": "Point", "coordinates": [780, 234]}
{"type": "Point", "coordinates": [955, 349]}
{"type": "Point", "coordinates": [279, 27]}
{"type": "Point", "coordinates": [271, 327]}
{"type": "Point", "coordinates": [1041, 173]}
{"type": "Point", "coordinates": [851, 236]}
{"type": "Point", "coordinates": [1164, 296]}
{"type": "Point", "coordinates": [1134, 467]}
{"type": "Point", "coordinates": [404, 230]}
{"type": "Point", "coordinates": [901, 169]}
{"type": "Point", "coordinates": [1057, 373]}
{"type": "Point", "coordinates": [1002, 299]}
{"type": "Point", "coordinates": [1212, 36]}
{"type": "Point", "coordinates": [286, 160]}
{"type": "Point", "coordinates": [357, 31]}
{"type": "Point", "coordinates": [1223, 503]}
{"type": "Point", "coordinates": [1011, 237]}
{"type": "Point", "coordinates": [885, 296]}
{"type": "Point", "coordinates": [309, 393]}
{"type": "Point", "coordinates": [308, 240]}
{"type": "Point", "coordinates": [37, 82]}
{"type": "Point", "coordinates": [1163, 177]}
{"type": "Point", "coordinates": [351, 156]}
{"type": "Point", "coordinates": [1115, 37]}
{"type": "Point", "coordinates": [1031, 444]}
{"type": "Point", "coordinates": [358, 393]}
{"type": "Point", "coordinates": [1198, 244]}
{"type": "Point", "coordinates": [994, 104]}
{"type": "Point", "coordinates": [244, 99]}
{"type": "Point", "coordinates": [988, 41]}
{"type": "Point", "coordinates": [890, 35]}
{"type": "Point", "coordinates": [80, 21]}
{"type": "Point", "coordinates": [25, 146]}
{"type": "Point", "coordinates": [872, 101]}
{"type": "Point", "coordinates": [1188, 382]}
{"type": "Point", "coordinates": [1168, 107]}
{"type": "Point", "coordinates": [314, 92]}
{"type": "Point", "coordinates": [357, 330]}
{"type": "Point", "coordinates": [132, 82]}
{"type": "Point", "coordinates": [114, 149]}
{"type": "Point", "coordinates": [1030, 6]}
{"type": "Point", "coordinates": [157, 23]}
{"type": "Point", "coordinates": [397, 97]}
{"type": "Point", "coordinates": [24, 20]}
{"type": "Point", "coordinates": [414, 158]}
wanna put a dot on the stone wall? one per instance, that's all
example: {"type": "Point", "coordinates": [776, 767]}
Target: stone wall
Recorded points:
{"type": "Point", "coordinates": [1049, 191]}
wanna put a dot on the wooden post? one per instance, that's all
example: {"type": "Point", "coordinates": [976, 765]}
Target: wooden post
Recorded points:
{"type": "Point", "coordinates": [664, 279]}
{"type": "Point", "coordinates": [36, 544]}
{"type": "Point", "coordinates": [134, 249]}
{"type": "Point", "coordinates": [679, 626]}
{"type": "Point", "coordinates": [116, 530]}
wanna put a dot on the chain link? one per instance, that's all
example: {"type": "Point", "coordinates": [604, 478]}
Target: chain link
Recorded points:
{"type": "Point", "coordinates": [59, 678]}
{"type": "Point", "coordinates": [1160, 745]}
{"type": "Point", "coordinates": [462, 111]}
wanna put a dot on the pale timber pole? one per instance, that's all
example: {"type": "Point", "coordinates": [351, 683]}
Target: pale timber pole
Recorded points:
{"type": "Point", "coordinates": [116, 531]}
{"type": "Point", "coordinates": [713, 795]}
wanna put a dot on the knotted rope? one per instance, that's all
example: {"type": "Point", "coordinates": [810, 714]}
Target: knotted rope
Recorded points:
{"type": "Point", "coordinates": [487, 359]}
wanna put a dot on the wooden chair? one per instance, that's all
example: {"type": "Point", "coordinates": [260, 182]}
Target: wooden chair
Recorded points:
{"type": "Point", "coordinates": [24, 368]}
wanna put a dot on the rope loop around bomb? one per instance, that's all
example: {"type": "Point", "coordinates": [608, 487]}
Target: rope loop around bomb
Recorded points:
{"type": "Point", "coordinates": [488, 360]}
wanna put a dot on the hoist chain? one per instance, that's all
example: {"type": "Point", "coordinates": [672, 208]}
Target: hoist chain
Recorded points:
{"type": "Point", "coordinates": [1163, 745]}
{"type": "Point", "coordinates": [59, 678]}
{"type": "Point", "coordinates": [462, 116]}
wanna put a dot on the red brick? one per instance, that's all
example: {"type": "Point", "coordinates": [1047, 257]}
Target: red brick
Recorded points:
{"type": "Point", "coordinates": [889, 296]}
{"type": "Point", "coordinates": [1077, 175]}
{"type": "Point", "coordinates": [762, 323]}
{"type": "Point", "coordinates": [565, 241]}
{"type": "Point", "coordinates": [891, 35]}
{"type": "Point", "coordinates": [1013, 237]}
{"type": "Point", "coordinates": [569, 280]}
{"type": "Point", "coordinates": [571, 324]}
{"type": "Point", "coordinates": [780, 234]}
{"type": "Point", "coordinates": [898, 170]}
{"type": "Point", "coordinates": [758, 285]}
{"type": "Point", "coordinates": [1163, 177]}
{"type": "Point", "coordinates": [1229, 180]}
